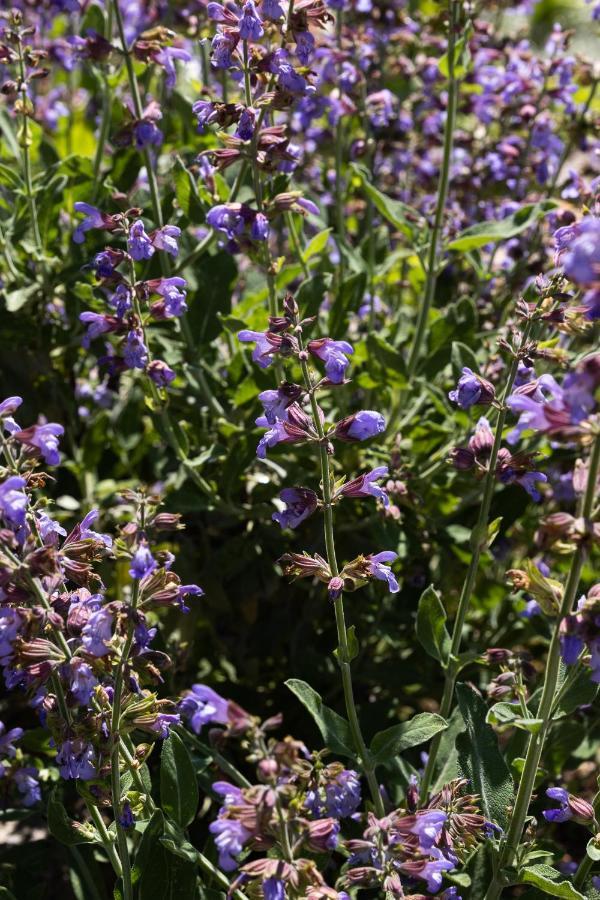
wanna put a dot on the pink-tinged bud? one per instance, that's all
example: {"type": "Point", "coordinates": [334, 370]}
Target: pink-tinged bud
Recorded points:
{"type": "Point", "coordinates": [497, 655]}
{"type": "Point", "coordinates": [268, 769]}
{"type": "Point", "coordinates": [167, 522]}
{"type": "Point", "coordinates": [335, 587]}
{"type": "Point", "coordinates": [582, 811]}
{"type": "Point", "coordinates": [462, 459]}
{"type": "Point", "coordinates": [323, 834]}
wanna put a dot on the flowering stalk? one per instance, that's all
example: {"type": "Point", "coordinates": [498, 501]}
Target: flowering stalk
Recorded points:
{"type": "Point", "coordinates": [442, 194]}
{"type": "Point", "coordinates": [139, 111]}
{"type": "Point", "coordinates": [343, 655]}
{"type": "Point", "coordinates": [536, 742]}
{"type": "Point", "coordinates": [478, 544]}
{"type": "Point", "coordinates": [25, 142]}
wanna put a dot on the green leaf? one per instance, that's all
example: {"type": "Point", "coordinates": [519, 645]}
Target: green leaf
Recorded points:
{"type": "Point", "coordinates": [431, 625]}
{"type": "Point", "coordinates": [347, 299]}
{"type": "Point", "coordinates": [62, 827]}
{"type": "Point", "coordinates": [147, 845]}
{"type": "Point", "coordinates": [395, 740]}
{"type": "Point", "coordinates": [447, 759]}
{"type": "Point", "coordinates": [178, 785]}
{"type": "Point", "coordinates": [318, 243]}
{"type": "Point", "coordinates": [175, 841]}
{"type": "Point", "coordinates": [501, 229]}
{"type": "Point", "coordinates": [311, 292]}
{"type": "Point", "coordinates": [581, 692]}
{"type": "Point", "coordinates": [593, 850]}
{"type": "Point", "coordinates": [353, 645]}
{"type": "Point", "coordinates": [503, 713]}
{"type": "Point", "coordinates": [400, 215]}
{"type": "Point", "coordinates": [549, 881]}
{"type": "Point", "coordinates": [335, 730]}
{"type": "Point", "coordinates": [480, 760]}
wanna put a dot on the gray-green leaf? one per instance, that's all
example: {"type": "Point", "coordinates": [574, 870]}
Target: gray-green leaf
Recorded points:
{"type": "Point", "coordinates": [549, 881]}
{"type": "Point", "coordinates": [431, 625]}
{"type": "Point", "coordinates": [334, 729]}
{"type": "Point", "coordinates": [389, 743]}
{"type": "Point", "coordinates": [178, 785]}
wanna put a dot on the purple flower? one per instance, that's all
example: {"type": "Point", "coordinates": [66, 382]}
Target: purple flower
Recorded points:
{"type": "Point", "coordinates": [262, 354]}
{"type": "Point", "coordinates": [250, 26]}
{"type": "Point", "coordinates": [227, 218]}
{"type": "Point", "coordinates": [276, 403]}
{"type": "Point", "coordinates": [342, 795]}
{"type": "Point", "coordinates": [93, 219]}
{"type": "Point", "coordinates": [86, 533]}
{"type": "Point", "coordinates": [382, 572]}
{"type": "Point", "coordinates": [96, 324]}
{"type": "Point", "coordinates": [138, 242]}
{"type": "Point", "coordinates": [300, 504]}
{"type": "Point", "coordinates": [76, 759]}
{"type": "Point", "coordinates": [364, 486]}
{"type": "Point", "coordinates": [83, 681]}
{"type": "Point", "coordinates": [571, 646]}
{"type": "Point", "coordinates": [360, 426]}
{"type": "Point", "coordinates": [222, 47]}
{"type": "Point", "coordinates": [166, 57]}
{"type": "Point", "coordinates": [163, 724]}
{"type": "Point", "coordinates": [581, 261]}
{"type": "Point", "coordinates": [334, 354]}
{"type": "Point", "coordinates": [173, 293]}
{"type": "Point", "coordinates": [202, 705]}
{"type": "Point", "coordinates": [270, 9]}
{"type": "Point", "coordinates": [563, 813]}
{"type": "Point", "coordinates": [26, 780]}
{"type": "Point", "coordinates": [10, 626]}
{"type": "Point", "coordinates": [142, 563]}
{"type": "Point", "coordinates": [160, 373]}
{"type": "Point", "coordinates": [433, 869]}
{"type": "Point", "coordinates": [9, 406]}
{"type": "Point", "coordinates": [45, 439]}
{"type": "Point", "coordinates": [8, 738]}
{"type": "Point", "coordinates": [471, 390]}
{"type": "Point", "coordinates": [428, 827]}
{"type": "Point", "coordinates": [97, 632]}
{"type": "Point", "coordinates": [127, 818]}
{"type": "Point", "coordinates": [245, 128]}
{"type": "Point", "coordinates": [166, 238]}
{"type": "Point", "coordinates": [147, 134]}
{"type": "Point", "coordinates": [135, 352]}
{"type": "Point", "coordinates": [259, 230]}
{"type": "Point", "coordinates": [274, 889]}
{"type": "Point", "coordinates": [230, 835]}
{"type": "Point", "coordinates": [13, 501]}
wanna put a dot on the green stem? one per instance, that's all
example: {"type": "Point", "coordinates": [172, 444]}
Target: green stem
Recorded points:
{"type": "Point", "coordinates": [537, 741]}
{"type": "Point", "coordinates": [221, 879]}
{"type": "Point", "coordinates": [343, 655]}
{"type": "Point", "coordinates": [478, 544]}
{"type": "Point", "coordinates": [296, 244]}
{"type": "Point", "coordinates": [139, 112]}
{"type": "Point", "coordinates": [102, 134]}
{"type": "Point", "coordinates": [25, 142]}
{"type": "Point", "coordinates": [442, 196]}
{"type": "Point", "coordinates": [107, 841]}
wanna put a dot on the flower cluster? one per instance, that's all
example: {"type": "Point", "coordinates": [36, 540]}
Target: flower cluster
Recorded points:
{"type": "Point", "coordinates": [132, 303]}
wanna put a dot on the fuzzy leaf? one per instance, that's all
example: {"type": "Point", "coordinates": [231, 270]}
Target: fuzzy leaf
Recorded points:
{"type": "Point", "coordinates": [178, 785]}
{"type": "Point", "coordinates": [334, 729]}
{"type": "Point", "coordinates": [431, 625]}
{"type": "Point", "coordinates": [549, 881]}
{"type": "Point", "coordinates": [501, 229]}
{"type": "Point", "coordinates": [395, 740]}
{"type": "Point", "coordinates": [479, 758]}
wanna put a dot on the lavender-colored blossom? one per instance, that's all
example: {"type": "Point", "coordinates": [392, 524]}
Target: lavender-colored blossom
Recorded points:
{"type": "Point", "coordinates": [13, 501]}
{"type": "Point", "coordinates": [379, 570]}
{"type": "Point", "coordinates": [172, 290]}
{"type": "Point", "coordinates": [335, 356]}
{"type": "Point", "coordinates": [245, 128]}
{"type": "Point", "coordinates": [250, 26]}
{"type": "Point", "coordinates": [161, 374]}
{"type": "Point", "coordinates": [166, 238]}
{"type": "Point", "coordinates": [166, 57]}
{"type": "Point", "coordinates": [562, 813]}
{"type": "Point", "coordinates": [227, 218]}
{"type": "Point", "coordinates": [26, 780]}
{"type": "Point", "coordinates": [471, 390]}
{"type": "Point", "coordinates": [365, 486]}
{"type": "Point", "coordinates": [428, 827]}
{"type": "Point", "coordinates": [202, 705]}
{"type": "Point", "coordinates": [343, 795]}
{"type": "Point", "coordinates": [300, 504]}
{"type": "Point", "coordinates": [83, 681]}
{"type": "Point", "coordinates": [8, 739]}
{"type": "Point", "coordinates": [93, 219]}
{"type": "Point", "coordinates": [77, 759]}
{"type": "Point", "coordinates": [10, 626]}
{"type": "Point", "coordinates": [45, 439]}
{"type": "Point", "coordinates": [86, 533]}
{"type": "Point", "coordinates": [360, 426]}
{"type": "Point", "coordinates": [9, 406]}
{"type": "Point", "coordinates": [259, 229]}
{"type": "Point", "coordinates": [274, 889]}
{"type": "Point", "coordinates": [142, 563]}
{"type": "Point", "coordinates": [433, 870]}
{"type": "Point", "coordinates": [163, 724]}
{"type": "Point", "coordinates": [147, 134]}
{"type": "Point", "coordinates": [138, 243]}
{"type": "Point", "coordinates": [262, 353]}
{"type": "Point", "coordinates": [97, 632]}
{"type": "Point", "coordinates": [96, 324]}
{"type": "Point", "coordinates": [127, 818]}
{"type": "Point", "coordinates": [581, 261]}
{"type": "Point", "coordinates": [135, 352]}
{"type": "Point", "coordinates": [49, 530]}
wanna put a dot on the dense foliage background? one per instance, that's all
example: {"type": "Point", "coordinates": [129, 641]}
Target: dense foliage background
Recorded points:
{"type": "Point", "coordinates": [367, 148]}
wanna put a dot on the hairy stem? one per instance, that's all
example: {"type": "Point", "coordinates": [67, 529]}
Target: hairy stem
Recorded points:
{"type": "Point", "coordinates": [537, 741]}
{"type": "Point", "coordinates": [343, 655]}
{"type": "Point", "coordinates": [478, 544]}
{"type": "Point", "coordinates": [25, 143]}
{"type": "Point", "coordinates": [442, 196]}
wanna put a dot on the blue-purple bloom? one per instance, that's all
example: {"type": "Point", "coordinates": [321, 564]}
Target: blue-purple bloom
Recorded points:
{"type": "Point", "coordinates": [365, 486]}
{"type": "Point", "coordinates": [138, 243]}
{"type": "Point", "coordinates": [135, 352]}
{"type": "Point", "coordinates": [472, 389]}
{"type": "Point", "coordinates": [300, 504]}
{"type": "Point", "coordinates": [335, 356]}
{"type": "Point", "coordinates": [201, 705]}
{"type": "Point", "coordinates": [379, 570]}
{"type": "Point", "coordinates": [360, 426]}
{"type": "Point", "coordinates": [562, 813]}
{"type": "Point", "coordinates": [166, 238]}
{"type": "Point", "coordinates": [76, 759]}
{"type": "Point", "coordinates": [97, 632]}
{"type": "Point", "coordinates": [13, 501]}
{"type": "Point", "coordinates": [142, 563]}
